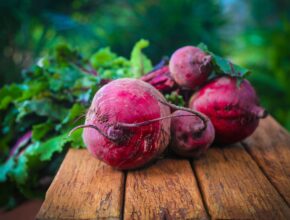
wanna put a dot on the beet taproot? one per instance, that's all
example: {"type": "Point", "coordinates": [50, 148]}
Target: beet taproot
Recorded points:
{"type": "Point", "coordinates": [232, 107]}
{"type": "Point", "coordinates": [190, 67]}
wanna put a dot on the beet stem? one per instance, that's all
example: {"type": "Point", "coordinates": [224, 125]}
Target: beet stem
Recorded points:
{"type": "Point", "coordinates": [175, 107]}
{"type": "Point", "coordinates": [78, 118]}
{"type": "Point", "coordinates": [94, 127]}
{"type": "Point", "coordinates": [116, 138]}
{"type": "Point", "coordinates": [144, 123]}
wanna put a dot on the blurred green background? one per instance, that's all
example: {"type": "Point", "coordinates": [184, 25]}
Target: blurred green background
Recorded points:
{"type": "Point", "coordinates": [254, 34]}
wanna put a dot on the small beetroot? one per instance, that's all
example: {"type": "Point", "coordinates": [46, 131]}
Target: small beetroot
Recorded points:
{"type": "Point", "coordinates": [189, 138]}
{"type": "Point", "coordinates": [233, 109]}
{"type": "Point", "coordinates": [190, 66]}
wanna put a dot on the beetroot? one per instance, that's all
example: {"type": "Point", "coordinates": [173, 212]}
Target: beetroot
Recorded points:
{"type": "Point", "coordinates": [190, 67]}
{"type": "Point", "coordinates": [192, 132]}
{"type": "Point", "coordinates": [160, 79]}
{"type": "Point", "coordinates": [189, 138]}
{"type": "Point", "coordinates": [232, 108]}
{"type": "Point", "coordinates": [119, 129]}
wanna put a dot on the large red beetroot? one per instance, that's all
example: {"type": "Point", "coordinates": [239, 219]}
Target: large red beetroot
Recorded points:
{"type": "Point", "coordinates": [233, 109]}
{"type": "Point", "coordinates": [190, 66]}
{"type": "Point", "coordinates": [116, 131]}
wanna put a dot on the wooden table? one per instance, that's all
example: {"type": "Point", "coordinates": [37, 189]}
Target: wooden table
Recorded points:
{"type": "Point", "coordinates": [247, 180]}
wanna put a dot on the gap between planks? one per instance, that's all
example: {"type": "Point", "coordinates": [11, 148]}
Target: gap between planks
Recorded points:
{"type": "Point", "coordinates": [124, 195]}
{"type": "Point", "coordinates": [200, 191]}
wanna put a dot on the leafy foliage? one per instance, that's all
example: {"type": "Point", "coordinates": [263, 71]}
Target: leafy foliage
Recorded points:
{"type": "Point", "coordinates": [222, 66]}
{"type": "Point", "coordinates": [175, 98]}
{"type": "Point", "coordinates": [140, 64]}
{"type": "Point", "coordinates": [41, 111]}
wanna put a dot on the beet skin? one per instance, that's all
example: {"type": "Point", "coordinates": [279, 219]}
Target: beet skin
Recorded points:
{"type": "Point", "coordinates": [233, 109]}
{"type": "Point", "coordinates": [160, 79]}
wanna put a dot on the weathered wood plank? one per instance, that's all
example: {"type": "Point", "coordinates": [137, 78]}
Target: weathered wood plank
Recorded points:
{"type": "Point", "coordinates": [166, 190]}
{"type": "Point", "coordinates": [234, 187]}
{"type": "Point", "coordinates": [270, 147]}
{"type": "Point", "coordinates": [84, 188]}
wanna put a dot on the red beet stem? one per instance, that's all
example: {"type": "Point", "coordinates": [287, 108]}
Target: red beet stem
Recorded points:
{"type": "Point", "coordinates": [175, 107]}
{"type": "Point", "coordinates": [144, 123]}
{"type": "Point", "coordinates": [115, 134]}
{"type": "Point", "coordinates": [111, 138]}
{"type": "Point", "coordinates": [23, 140]}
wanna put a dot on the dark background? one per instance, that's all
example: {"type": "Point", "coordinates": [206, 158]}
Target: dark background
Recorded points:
{"type": "Point", "coordinates": [254, 34]}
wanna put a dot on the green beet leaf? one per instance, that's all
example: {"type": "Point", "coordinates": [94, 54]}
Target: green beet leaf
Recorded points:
{"type": "Point", "coordinates": [39, 131]}
{"type": "Point", "coordinates": [8, 94]}
{"type": "Point", "coordinates": [222, 66]}
{"type": "Point", "coordinates": [139, 62]}
{"type": "Point", "coordinates": [104, 57]}
{"type": "Point", "coordinates": [5, 169]}
{"type": "Point", "coordinates": [43, 107]}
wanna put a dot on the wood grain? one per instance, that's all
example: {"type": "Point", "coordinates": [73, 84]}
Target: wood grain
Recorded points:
{"type": "Point", "coordinates": [84, 188]}
{"type": "Point", "coordinates": [270, 147]}
{"type": "Point", "coordinates": [234, 187]}
{"type": "Point", "coordinates": [166, 190]}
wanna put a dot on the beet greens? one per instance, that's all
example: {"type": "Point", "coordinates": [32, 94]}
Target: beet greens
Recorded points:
{"type": "Point", "coordinates": [54, 92]}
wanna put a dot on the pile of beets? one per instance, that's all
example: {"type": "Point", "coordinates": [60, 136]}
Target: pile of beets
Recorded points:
{"type": "Point", "coordinates": [130, 123]}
